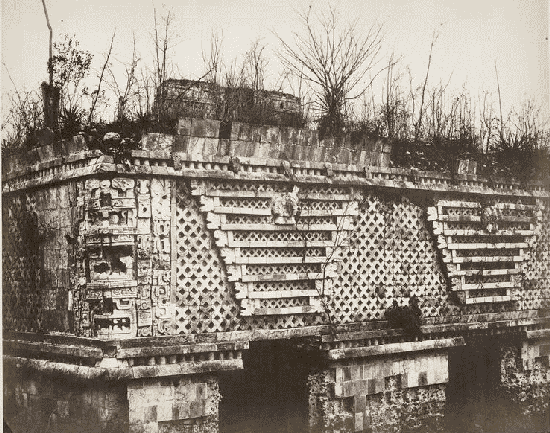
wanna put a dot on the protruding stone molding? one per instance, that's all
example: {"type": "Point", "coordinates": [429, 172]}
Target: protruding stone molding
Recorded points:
{"type": "Point", "coordinates": [163, 163]}
{"type": "Point", "coordinates": [394, 348]}
{"type": "Point", "coordinates": [538, 334]}
{"type": "Point", "coordinates": [282, 232]}
{"type": "Point", "coordinates": [120, 371]}
{"type": "Point", "coordinates": [483, 244]}
{"type": "Point", "coordinates": [126, 359]}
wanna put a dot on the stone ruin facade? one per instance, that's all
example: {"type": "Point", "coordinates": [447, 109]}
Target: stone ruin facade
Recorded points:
{"type": "Point", "coordinates": [145, 295]}
{"type": "Point", "coordinates": [200, 99]}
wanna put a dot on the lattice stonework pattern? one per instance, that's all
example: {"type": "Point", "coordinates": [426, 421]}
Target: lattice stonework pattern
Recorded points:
{"type": "Point", "coordinates": [277, 241]}
{"type": "Point", "coordinates": [484, 245]}
{"type": "Point", "coordinates": [536, 293]}
{"type": "Point", "coordinates": [391, 257]}
{"type": "Point", "coordinates": [204, 302]}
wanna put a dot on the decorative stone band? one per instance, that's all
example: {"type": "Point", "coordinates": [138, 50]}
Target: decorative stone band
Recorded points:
{"type": "Point", "coordinates": [280, 242]}
{"type": "Point", "coordinates": [484, 245]}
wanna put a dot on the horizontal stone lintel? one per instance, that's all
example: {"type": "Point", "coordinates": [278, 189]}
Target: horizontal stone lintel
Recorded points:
{"type": "Point", "coordinates": [53, 349]}
{"type": "Point", "coordinates": [394, 348]}
{"type": "Point", "coordinates": [483, 232]}
{"type": "Point", "coordinates": [280, 244]}
{"type": "Point", "coordinates": [278, 227]}
{"type": "Point", "coordinates": [487, 246]}
{"type": "Point", "coordinates": [212, 192]}
{"type": "Point", "coordinates": [487, 299]}
{"type": "Point", "coordinates": [122, 373]}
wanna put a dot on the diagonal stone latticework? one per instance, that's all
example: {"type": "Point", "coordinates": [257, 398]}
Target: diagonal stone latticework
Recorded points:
{"type": "Point", "coordinates": [281, 261]}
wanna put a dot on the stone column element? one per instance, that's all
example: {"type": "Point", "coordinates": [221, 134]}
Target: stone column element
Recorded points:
{"type": "Point", "coordinates": [379, 387]}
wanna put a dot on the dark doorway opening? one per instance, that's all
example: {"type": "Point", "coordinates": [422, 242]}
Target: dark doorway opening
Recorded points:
{"type": "Point", "coordinates": [270, 394]}
{"type": "Point", "coordinates": [475, 398]}
{"type": "Point", "coordinates": [474, 377]}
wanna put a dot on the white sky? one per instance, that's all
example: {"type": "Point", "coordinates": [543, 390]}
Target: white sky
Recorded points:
{"type": "Point", "coordinates": [473, 36]}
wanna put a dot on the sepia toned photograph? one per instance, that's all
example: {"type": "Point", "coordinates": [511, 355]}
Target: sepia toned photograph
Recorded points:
{"type": "Point", "coordinates": [233, 216]}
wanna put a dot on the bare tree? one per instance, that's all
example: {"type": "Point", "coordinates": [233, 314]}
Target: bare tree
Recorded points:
{"type": "Point", "coordinates": [255, 65]}
{"type": "Point", "coordinates": [126, 91]}
{"type": "Point", "coordinates": [50, 94]}
{"type": "Point", "coordinates": [334, 57]}
{"type": "Point", "coordinates": [164, 40]}
{"type": "Point", "coordinates": [213, 60]}
{"type": "Point", "coordinates": [418, 126]}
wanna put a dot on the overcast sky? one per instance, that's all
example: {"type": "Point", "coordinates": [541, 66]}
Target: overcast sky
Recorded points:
{"type": "Point", "coordinates": [473, 35]}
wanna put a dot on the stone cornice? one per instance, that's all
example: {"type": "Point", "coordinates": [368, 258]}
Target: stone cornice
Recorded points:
{"type": "Point", "coordinates": [181, 165]}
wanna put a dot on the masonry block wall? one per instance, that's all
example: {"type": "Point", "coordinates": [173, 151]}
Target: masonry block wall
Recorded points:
{"type": "Point", "coordinates": [35, 402]}
{"type": "Point", "coordinates": [193, 245]}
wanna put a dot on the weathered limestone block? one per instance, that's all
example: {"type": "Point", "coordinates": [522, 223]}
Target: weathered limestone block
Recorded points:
{"type": "Point", "coordinates": [154, 141]}
{"type": "Point", "coordinates": [189, 402]}
{"type": "Point", "coordinates": [525, 382]}
{"type": "Point", "coordinates": [39, 403]}
{"type": "Point", "coordinates": [199, 127]}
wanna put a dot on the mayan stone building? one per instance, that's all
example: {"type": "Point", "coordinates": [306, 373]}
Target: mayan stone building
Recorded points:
{"type": "Point", "coordinates": [204, 100]}
{"type": "Point", "coordinates": [269, 281]}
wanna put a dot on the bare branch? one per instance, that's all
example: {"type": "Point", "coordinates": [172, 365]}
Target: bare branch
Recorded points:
{"type": "Point", "coordinates": [420, 113]}
{"type": "Point", "coordinates": [334, 58]}
{"type": "Point", "coordinates": [97, 92]}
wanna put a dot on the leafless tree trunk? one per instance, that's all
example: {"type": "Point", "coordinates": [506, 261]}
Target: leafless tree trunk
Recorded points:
{"type": "Point", "coordinates": [126, 92]}
{"type": "Point", "coordinates": [50, 94]}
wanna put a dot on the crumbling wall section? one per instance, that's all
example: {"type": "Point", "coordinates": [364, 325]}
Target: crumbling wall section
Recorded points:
{"type": "Point", "coordinates": [399, 393]}
{"type": "Point", "coordinates": [525, 382]}
{"type": "Point", "coordinates": [36, 403]}
{"type": "Point", "coordinates": [37, 258]}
